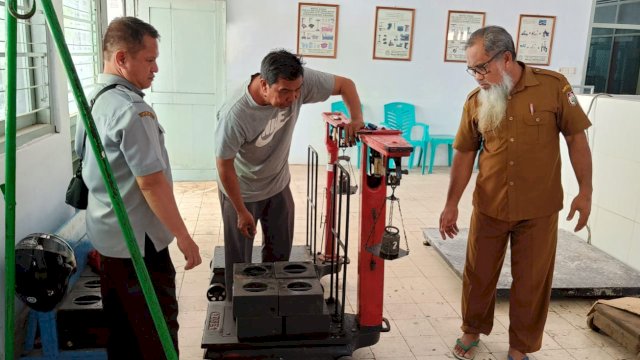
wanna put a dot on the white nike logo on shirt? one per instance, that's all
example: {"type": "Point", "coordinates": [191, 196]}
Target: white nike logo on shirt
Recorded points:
{"type": "Point", "coordinates": [272, 127]}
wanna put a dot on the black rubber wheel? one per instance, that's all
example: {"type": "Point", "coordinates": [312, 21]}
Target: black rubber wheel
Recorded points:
{"type": "Point", "coordinates": [216, 292]}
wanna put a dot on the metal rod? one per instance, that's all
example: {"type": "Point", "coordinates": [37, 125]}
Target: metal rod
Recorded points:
{"type": "Point", "coordinates": [346, 252]}
{"type": "Point", "coordinates": [112, 187]}
{"type": "Point", "coordinates": [10, 181]}
{"type": "Point", "coordinates": [338, 226]}
{"type": "Point", "coordinates": [332, 231]}
{"type": "Point", "coordinates": [315, 205]}
{"type": "Point", "coordinates": [309, 165]}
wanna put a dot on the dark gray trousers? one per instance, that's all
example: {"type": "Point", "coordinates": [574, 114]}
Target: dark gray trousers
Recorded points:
{"type": "Point", "coordinates": [276, 216]}
{"type": "Point", "coordinates": [132, 332]}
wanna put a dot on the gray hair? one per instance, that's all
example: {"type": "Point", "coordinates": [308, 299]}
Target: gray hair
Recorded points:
{"type": "Point", "coordinates": [281, 64]}
{"type": "Point", "coordinates": [495, 39]}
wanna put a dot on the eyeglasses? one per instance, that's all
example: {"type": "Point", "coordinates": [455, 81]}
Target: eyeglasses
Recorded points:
{"type": "Point", "coordinates": [482, 68]}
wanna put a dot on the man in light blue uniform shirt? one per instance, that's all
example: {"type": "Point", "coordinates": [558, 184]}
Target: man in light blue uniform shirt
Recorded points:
{"type": "Point", "coordinates": [252, 143]}
{"type": "Point", "coordinates": [133, 142]}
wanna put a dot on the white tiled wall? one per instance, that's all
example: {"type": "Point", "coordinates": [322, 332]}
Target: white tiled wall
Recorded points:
{"type": "Point", "coordinates": [614, 139]}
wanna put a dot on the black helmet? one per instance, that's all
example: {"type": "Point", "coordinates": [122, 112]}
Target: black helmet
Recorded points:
{"type": "Point", "coordinates": [44, 263]}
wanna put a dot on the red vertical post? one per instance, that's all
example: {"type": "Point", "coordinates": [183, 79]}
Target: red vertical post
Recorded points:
{"type": "Point", "coordinates": [332, 151]}
{"type": "Point", "coordinates": [384, 145]}
{"type": "Point", "coordinates": [370, 267]}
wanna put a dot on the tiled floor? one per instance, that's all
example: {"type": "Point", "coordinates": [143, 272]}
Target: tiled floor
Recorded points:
{"type": "Point", "coordinates": [422, 294]}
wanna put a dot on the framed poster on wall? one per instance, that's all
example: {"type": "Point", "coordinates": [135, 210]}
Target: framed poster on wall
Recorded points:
{"type": "Point", "coordinates": [393, 36]}
{"type": "Point", "coordinates": [317, 30]}
{"type": "Point", "coordinates": [460, 26]}
{"type": "Point", "coordinates": [535, 39]}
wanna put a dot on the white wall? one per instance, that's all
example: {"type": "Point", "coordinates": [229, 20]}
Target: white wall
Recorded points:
{"type": "Point", "coordinates": [437, 88]}
{"type": "Point", "coordinates": [43, 171]}
{"type": "Point", "coordinates": [615, 215]}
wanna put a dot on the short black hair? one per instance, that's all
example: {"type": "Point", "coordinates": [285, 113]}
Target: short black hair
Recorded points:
{"type": "Point", "coordinates": [126, 32]}
{"type": "Point", "coordinates": [281, 64]}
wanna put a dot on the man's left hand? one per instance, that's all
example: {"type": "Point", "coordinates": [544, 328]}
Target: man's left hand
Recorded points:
{"type": "Point", "coordinates": [351, 129]}
{"type": "Point", "coordinates": [581, 203]}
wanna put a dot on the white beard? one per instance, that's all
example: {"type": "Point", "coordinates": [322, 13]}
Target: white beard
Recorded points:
{"type": "Point", "coordinates": [493, 104]}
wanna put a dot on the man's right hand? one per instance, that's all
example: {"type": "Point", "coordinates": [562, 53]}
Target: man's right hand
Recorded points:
{"type": "Point", "coordinates": [448, 219]}
{"type": "Point", "coordinates": [190, 250]}
{"type": "Point", "coordinates": [246, 224]}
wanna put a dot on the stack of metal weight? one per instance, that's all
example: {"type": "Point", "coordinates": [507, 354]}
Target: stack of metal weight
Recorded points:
{"type": "Point", "coordinates": [80, 320]}
{"type": "Point", "coordinates": [281, 299]}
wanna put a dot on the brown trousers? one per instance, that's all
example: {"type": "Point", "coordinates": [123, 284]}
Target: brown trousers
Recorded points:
{"type": "Point", "coordinates": [533, 252]}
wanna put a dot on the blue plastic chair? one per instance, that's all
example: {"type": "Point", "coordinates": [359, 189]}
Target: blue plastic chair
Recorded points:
{"type": "Point", "coordinates": [402, 116]}
{"type": "Point", "coordinates": [435, 141]}
{"type": "Point", "coordinates": [340, 106]}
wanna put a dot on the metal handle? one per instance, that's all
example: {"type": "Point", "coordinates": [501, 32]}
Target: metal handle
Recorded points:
{"type": "Point", "coordinates": [25, 16]}
{"type": "Point", "coordinates": [388, 326]}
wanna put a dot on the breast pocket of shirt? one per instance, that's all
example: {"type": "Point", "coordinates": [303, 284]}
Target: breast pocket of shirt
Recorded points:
{"type": "Point", "coordinates": [539, 127]}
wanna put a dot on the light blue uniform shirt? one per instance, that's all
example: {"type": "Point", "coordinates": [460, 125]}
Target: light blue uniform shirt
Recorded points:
{"type": "Point", "coordinates": [133, 141]}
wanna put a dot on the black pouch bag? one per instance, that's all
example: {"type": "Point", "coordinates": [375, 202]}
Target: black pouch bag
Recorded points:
{"type": "Point", "coordinates": [77, 191]}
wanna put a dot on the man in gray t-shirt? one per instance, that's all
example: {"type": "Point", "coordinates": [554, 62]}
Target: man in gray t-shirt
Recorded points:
{"type": "Point", "coordinates": [252, 143]}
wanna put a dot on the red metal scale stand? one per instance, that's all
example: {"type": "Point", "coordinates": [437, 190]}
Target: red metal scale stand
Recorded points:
{"type": "Point", "coordinates": [347, 332]}
{"type": "Point", "coordinates": [334, 140]}
{"type": "Point", "coordinates": [387, 148]}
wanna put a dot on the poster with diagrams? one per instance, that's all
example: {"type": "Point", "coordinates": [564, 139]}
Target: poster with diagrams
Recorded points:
{"type": "Point", "coordinates": [460, 26]}
{"type": "Point", "coordinates": [535, 38]}
{"type": "Point", "coordinates": [317, 30]}
{"type": "Point", "coordinates": [393, 38]}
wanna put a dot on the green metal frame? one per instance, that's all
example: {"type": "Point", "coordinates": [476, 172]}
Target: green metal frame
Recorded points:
{"type": "Point", "coordinates": [10, 180]}
{"type": "Point", "coordinates": [103, 163]}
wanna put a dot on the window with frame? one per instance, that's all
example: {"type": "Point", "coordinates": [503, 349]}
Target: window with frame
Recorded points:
{"type": "Point", "coordinates": [82, 34]}
{"type": "Point", "coordinates": [614, 61]}
{"type": "Point", "coordinates": [33, 116]}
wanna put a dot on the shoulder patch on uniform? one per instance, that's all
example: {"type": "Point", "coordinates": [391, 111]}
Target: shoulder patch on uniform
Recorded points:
{"type": "Point", "coordinates": [147, 113]}
{"type": "Point", "coordinates": [573, 101]}
{"type": "Point", "coordinates": [571, 97]}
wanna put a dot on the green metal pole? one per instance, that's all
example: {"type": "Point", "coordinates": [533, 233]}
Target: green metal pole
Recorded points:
{"type": "Point", "coordinates": [110, 182]}
{"type": "Point", "coordinates": [10, 181]}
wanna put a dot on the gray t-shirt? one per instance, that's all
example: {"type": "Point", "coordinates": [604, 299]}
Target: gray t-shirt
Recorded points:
{"type": "Point", "coordinates": [259, 137]}
{"type": "Point", "coordinates": [133, 141]}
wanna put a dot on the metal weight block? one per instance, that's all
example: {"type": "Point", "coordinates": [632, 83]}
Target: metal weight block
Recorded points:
{"type": "Point", "coordinates": [255, 297]}
{"type": "Point", "coordinates": [88, 272]}
{"type": "Point", "coordinates": [300, 297]}
{"type": "Point", "coordinates": [252, 271]}
{"type": "Point", "coordinates": [81, 322]}
{"type": "Point", "coordinates": [87, 283]}
{"type": "Point", "coordinates": [295, 270]}
{"type": "Point", "coordinates": [308, 325]}
{"type": "Point", "coordinates": [249, 328]}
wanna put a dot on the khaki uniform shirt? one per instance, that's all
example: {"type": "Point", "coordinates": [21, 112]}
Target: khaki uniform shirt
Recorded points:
{"type": "Point", "coordinates": [519, 176]}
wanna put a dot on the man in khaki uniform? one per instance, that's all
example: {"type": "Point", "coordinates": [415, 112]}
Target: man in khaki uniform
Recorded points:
{"type": "Point", "coordinates": [515, 116]}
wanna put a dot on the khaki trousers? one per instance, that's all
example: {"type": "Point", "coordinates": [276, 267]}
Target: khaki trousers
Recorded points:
{"type": "Point", "coordinates": [533, 251]}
